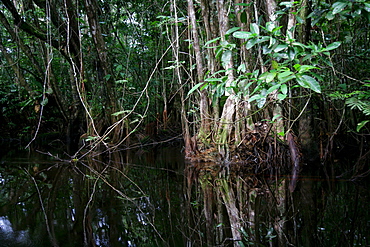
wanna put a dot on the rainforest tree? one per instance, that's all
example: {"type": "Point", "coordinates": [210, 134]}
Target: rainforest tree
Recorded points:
{"type": "Point", "coordinates": [274, 61]}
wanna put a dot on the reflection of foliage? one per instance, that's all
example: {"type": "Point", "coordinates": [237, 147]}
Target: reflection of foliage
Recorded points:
{"type": "Point", "coordinates": [350, 202]}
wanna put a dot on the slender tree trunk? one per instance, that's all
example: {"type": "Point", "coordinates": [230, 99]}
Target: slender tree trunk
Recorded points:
{"type": "Point", "coordinates": [104, 70]}
{"type": "Point", "coordinates": [209, 11]}
{"type": "Point", "coordinates": [228, 112]}
{"type": "Point", "coordinates": [204, 108]}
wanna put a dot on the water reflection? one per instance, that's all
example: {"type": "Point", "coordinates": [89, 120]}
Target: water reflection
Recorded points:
{"type": "Point", "coordinates": [151, 198]}
{"type": "Point", "coordinates": [7, 233]}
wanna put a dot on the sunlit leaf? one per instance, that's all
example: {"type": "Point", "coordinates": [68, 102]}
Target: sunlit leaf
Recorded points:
{"type": "Point", "coordinates": [280, 47]}
{"type": "Point", "coordinates": [195, 88]}
{"type": "Point", "coordinates": [329, 16]}
{"type": "Point", "coordinates": [273, 88]}
{"type": "Point", "coordinates": [261, 102]}
{"type": "Point", "coordinates": [338, 7]}
{"type": "Point", "coordinates": [254, 97]}
{"type": "Point", "coordinates": [120, 112]}
{"type": "Point", "coordinates": [268, 76]}
{"type": "Point", "coordinates": [367, 7]}
{"type": "Point", "coordinates": [251, 43]}
{"type": "Point", "coordinates": [270, 26]}
{"type": "Point", "coordinates": [284, 89]}
{"type": "Point", "coordinates": [305, 68]}
{"type": "Point", "coordinates": [309, 82]}
{"type": "Point", "coordinates": [362, 124]}
{"type": "Point", "coordinates": [263, 39]}
{"type": "Point", "coordinates": [332, 46]}
{"type": "Point", "coordinates": [274, 64]}
{"type": "Point", "coordinates": [211, 41]}
{"type": "Point", "coordinates": [231, 30]}
{"type": "Point", "coordinates": [226, 58]}
{"type": "Point", "coordinates": [242, 35]}
{"type": "Point", "coordinates": [44, 101]}
{"type": "Point", "coordinates": [281, 96]}
{"type": "Point", "coordinates": [291, 53]}
{"type": "Point", "coordinates": [255, 28]}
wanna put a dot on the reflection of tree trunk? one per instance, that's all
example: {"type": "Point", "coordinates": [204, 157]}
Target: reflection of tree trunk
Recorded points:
{"type": "Point", "coordinates": [280, 218]}
{"type": "Point", "coordinates": [78, 203]}
{"type": "Point", "coordinates": [208, 201]}
{"type": "Point", "coordinates": [309, 213]}
{"type": "Point", "coordinates": [227, 193]}
{"type": "Point", "coordinates": [295, 155]}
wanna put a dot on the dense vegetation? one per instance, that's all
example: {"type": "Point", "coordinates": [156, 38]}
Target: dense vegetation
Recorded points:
{"type": "Point", "coordinates": [261, 87]}
{"type": "Point", "coordinates": [117, 72]}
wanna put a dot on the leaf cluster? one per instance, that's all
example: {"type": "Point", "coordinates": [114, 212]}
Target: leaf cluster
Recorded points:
{"type": "Point", "coordinates": [291, 64]}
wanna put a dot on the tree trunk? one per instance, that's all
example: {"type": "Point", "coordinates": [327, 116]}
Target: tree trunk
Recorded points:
{"type": "Point", "coordinates": [105, 74]}
{"type": "Point", "coordinates": [227, 117]}
{"type": "Point", "coordinates": [204, 108]}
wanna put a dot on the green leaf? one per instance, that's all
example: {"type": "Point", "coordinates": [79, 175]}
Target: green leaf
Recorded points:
{"type": "Point", "coordinates": [270, 26]}
{"type": "Point", "coordinates": [107, 77]}
{"type": "Point", "coordinates": [120, 112]}
{"type": "Point", "coordinates": [291, 53]}
{"type": "Point", "coordinates": [226, 58]}
{"type": "Point", "coordinates": [309, 82]}
{"type": "Point", "coordinates": [287, 4]}
{"type": "Point", "coordinates": [261, 102]}
{"type": "Point", "coordinates": [286, 78]}
{"type": "Point", "coordinates": [297, 66]}
{"type": "Point", "coordinates": [268, 76]}
{"type": "Point", "coordinates": [263, 39]}
{"type": "Point", "coordinates": [332, 46]}
{"type": "Point", "coordinates": [211, 41]}
{"type": "Point", "coordinates": [273, 88]}
{"type": "Point", "coordinates": [284, 89]}
{"type": "Point", "coordinates": [255, 97]}
{"type": "Point", "coordinates": [362, 124]}
{"type": "Point", "coordinates": [44, 101]}
{"type": "Point", "coordinates": [281, 133]}
{"type": "Point", "coordinates": [367, 7]}
{"type": "Point", "coordinates": [49, 91]}
{"type": "Point", "coordinates": [242, 35]}
{"type": "Point", "coordinates": [299, 20]}
{"type": "Point", "coordinates": [195, 88]}
{"type": "Point", "coordinates": [254, 28]}
{"type": "Point", "coordinates": [243, 17]}
{"type": "Point", "coordinates": [338, 7]}
{"type": "Point", "coordinates": [274, 64]}
{"type": "Point", "coordinates": [220, 90]}
{"type": "Point", "coordinates": [329, 16]}
{"type": "Point", "coordinates": [280, 47]}
{"type": "Point", "coordinates": [251, 43]}
{"type": "Point", "coordinates": [213, 80]}
{"type": "Point", "coordinates": [282, 96]}
{"type": "Point", "coordinates": [305, 68]}
{"type": "Point", "coordinates": [119, 68]}
{"type": "Point", "coordinates": [232, 30]}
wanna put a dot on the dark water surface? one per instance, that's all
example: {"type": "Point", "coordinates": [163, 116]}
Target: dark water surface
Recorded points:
{"type": "Point", "coordinates": [152, 198]}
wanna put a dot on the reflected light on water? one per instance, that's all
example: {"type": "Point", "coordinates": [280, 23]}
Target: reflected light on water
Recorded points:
{"type": "Point", "coordinates": [10, 237]}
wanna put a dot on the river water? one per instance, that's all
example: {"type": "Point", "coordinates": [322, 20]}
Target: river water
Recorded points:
{"type": "Point", "coordinates": [153, 198]}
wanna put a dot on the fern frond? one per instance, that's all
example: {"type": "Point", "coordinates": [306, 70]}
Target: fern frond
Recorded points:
{"type": "Point", "coordinates": [362, 105]}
